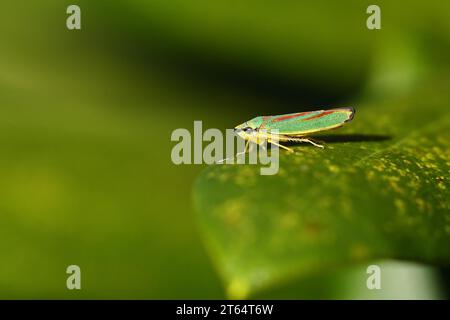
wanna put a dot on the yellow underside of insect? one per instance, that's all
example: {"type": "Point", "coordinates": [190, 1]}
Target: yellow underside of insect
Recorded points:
{"type": "Point", "coordinates": [274, 139]}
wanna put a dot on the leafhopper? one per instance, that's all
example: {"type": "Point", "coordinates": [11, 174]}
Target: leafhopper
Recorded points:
{"type": "Point", "coordinates": [295, 127]}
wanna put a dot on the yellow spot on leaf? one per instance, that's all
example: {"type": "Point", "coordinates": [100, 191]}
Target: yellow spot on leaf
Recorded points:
{"type": "Point", "coordinates": [232, 210]}
{"type": "Point", "coordinates": [400, 205]}
{"type": "Point", "coordinates": [289, 220]}
{"type": "Point", "coordinates": [333, 168]}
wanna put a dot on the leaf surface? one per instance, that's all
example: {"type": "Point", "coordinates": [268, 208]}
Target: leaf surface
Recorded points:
{"type": "Point", "coordinates": [378, 190]}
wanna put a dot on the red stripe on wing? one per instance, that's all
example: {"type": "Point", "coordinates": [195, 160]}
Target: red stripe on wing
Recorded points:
{"type": "Point", "coordinates": [265, 118]}
{"type": "Point", "coordinates": [319, 115]}
{"type": "Point", "coordinates": [282, 118]}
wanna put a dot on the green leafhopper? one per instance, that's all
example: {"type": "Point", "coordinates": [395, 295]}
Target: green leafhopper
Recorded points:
{"type": "Point", "coordinates": [294, 127]}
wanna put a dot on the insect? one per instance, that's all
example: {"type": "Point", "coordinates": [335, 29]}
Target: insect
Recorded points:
{"type": "Point", "coordinates": [295, 127]}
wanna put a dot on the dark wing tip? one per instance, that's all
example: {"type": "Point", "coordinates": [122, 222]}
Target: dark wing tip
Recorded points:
{"type": "Point", "coordinates": [352, 114]}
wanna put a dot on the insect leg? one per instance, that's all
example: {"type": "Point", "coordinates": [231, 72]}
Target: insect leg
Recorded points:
{"type": "Point", "coordinates": [250, 149]}
{"type": "Point", "coordinates": [277, 144]}
{"type": "Point", "coordinates": [312, 142]}
{"type": "Point", "coordinates": [245, 149]}
{"type": "Point", "coordinates": [223, 160]}
{"type": "Point", "coordinates": [237, 154]}
{"type": "Point", "coordinates": [309, 140]}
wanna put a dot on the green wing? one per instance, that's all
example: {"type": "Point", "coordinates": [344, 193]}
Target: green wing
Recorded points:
{"type": "Point", "coordinates": [307, 122]}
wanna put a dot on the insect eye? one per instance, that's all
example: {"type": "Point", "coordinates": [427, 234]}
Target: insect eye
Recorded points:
{"type": "Point", "coordinates": [248, 130]}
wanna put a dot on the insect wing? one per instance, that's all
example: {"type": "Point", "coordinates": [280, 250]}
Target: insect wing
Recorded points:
{"type": "Point", "coordinates": [309, 122]}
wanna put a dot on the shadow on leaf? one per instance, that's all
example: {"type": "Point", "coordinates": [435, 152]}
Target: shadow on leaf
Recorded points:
{"type": "Point", "coordinates": [352, 138]}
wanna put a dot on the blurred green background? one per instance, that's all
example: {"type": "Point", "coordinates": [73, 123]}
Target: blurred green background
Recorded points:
{"type": "Point", "coordinates": [86, 118]}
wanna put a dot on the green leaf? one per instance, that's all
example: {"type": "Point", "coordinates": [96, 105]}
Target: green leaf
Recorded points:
{"type": "Point", "coordinates": [378, 190]}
